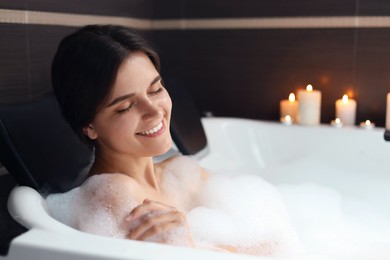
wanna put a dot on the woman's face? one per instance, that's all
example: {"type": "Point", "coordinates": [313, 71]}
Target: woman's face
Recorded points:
{"type": "Point", "coordinates": [135, 120]}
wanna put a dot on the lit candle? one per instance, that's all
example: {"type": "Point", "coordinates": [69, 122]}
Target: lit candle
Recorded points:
{"type": "Point", "coordinates": [346, 110]}
{"type": "Point", "coordinates": [289, 107]}
{"type": "Point", "coordinates": [309, 106]}
{"type": "Point", "coordinates": [367, 124]}
{"type": "Point", "coordinates": [388, 111]}
{"type": "Point", "coordinates": [337, 123]}
{"type": "Point", "coordinates": [286, 120]}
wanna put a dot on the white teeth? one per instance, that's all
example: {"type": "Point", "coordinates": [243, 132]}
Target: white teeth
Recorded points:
{"type": "Point", "coordinates": [152, 131]}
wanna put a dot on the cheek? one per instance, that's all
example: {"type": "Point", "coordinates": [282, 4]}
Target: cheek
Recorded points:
{"type": "Point", "coordinates": [167, 103]}
{"type": "Point", "coordinates": [122, 124]}
{"type": "Point", "coordinates": [126, 123]}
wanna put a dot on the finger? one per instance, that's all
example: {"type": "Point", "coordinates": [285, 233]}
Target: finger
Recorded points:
{"type": "Point", "coordinates": [156, 202]}
{"type": "Point", "coordinates": [148, 221]}
{"type": "Point", "coordinates": [173, 232]}
{"type": "Point", "coordinates": [159, 232]}
{"type": "Point", "coordinates": [147, 206]}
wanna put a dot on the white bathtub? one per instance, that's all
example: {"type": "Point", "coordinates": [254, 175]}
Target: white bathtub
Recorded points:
{"type": "Point", "coordinates": [351, 165]}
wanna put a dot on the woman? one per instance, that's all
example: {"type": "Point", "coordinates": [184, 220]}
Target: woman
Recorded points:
{"type": "Point", "coordinates": [107, 82]}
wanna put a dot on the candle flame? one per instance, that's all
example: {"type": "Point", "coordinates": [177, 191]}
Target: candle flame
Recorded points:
{"type": "Point", "coordinates": [345, 98]}
{"type": "Point", "coordinates": [368, 122]}
{"type": "Point", "coordinates": [309, 88]}
{"type": "Point", "coordinates": [337, 120]}
{"type": "Point", "coordinates": [287, 118]}
{"type": "Point", "coordinates": [291, 97]}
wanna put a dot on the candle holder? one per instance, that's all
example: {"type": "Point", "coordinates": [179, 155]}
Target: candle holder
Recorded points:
{"type": "Point", "coordinates": [367, 125]}
{"type": "Point", "coordinates": [286, 120]}
{"type": "Point", "coordinates": [336, 123]}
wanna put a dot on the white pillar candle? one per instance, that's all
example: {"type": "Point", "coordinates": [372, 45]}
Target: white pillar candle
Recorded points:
{"type": "Point", "coordinates": [289, 107]}
{"type": "Point", "coordinates": [388, 111]}
{"type": "Point", "coordinates": [309, 106]}
{"type": "Point", "coordinates": [346, 110]}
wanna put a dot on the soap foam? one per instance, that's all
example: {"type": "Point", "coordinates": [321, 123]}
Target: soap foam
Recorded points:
{"type": "Point", "coordinates": [238, 210]}
{"type": "Point", "coordinates": [245, 212]}
{"type": "Point", "coordinates": [181, 182]}
{"type": "Point", "coordinates": [86, 209]}
{"type": "Point", "coordinates": [330, 224]}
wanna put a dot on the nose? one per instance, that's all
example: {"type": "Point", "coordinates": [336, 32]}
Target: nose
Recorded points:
{"type": "Point", "coordinates": [150, 110]}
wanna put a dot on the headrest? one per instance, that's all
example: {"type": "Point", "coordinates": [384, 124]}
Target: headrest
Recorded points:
{"type": "Point", "coordinates": [38, 147]}
{"type": "Point", "coordinates": [186, 125]}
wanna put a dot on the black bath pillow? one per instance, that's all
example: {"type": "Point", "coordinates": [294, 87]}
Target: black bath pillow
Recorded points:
{"type": "Point", "coordinates": [38, 147]}
{"type": "Point", "coordinates": [186, 125]}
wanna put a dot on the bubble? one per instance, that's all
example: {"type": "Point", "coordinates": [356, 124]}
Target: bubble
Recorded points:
{"type": "Point", "coordinates": [181, 182]}
{"type": "Point", "coordinates": [334, 225]}
{"type": "Point", "coordinates": [237, 211]}
{"type": "Point", "coordinates": [245, 212]}
{"type": "Point", "coordinates": [88, 207]}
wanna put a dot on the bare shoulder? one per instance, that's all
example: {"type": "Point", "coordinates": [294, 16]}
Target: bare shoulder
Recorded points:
{"type": "Point", "coordinates": [109, 180]}
{"type": "Point", "coordinates": [105, 200]}
{"type": "Point", "coordinates": [111, 189]}
{"type": "Point", "coordinates": [183, 169]}
{"type": "Point", "coordinates": [185, 164]}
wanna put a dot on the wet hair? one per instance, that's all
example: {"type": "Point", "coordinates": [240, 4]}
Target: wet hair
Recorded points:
{"type": "Point", "coordinates": [85, 66]}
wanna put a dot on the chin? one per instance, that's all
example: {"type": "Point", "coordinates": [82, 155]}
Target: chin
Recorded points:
{"type": "Point", "coordinates": [162, 147]}
{"type": "Point", "coordinates": [165, 147]}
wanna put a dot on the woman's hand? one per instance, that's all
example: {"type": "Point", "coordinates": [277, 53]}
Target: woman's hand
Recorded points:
{"type": "Point", "coordinates": [156, 222]}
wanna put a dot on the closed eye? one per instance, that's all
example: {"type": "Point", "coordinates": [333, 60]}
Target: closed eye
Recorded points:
{"type": "Point", "coordinates": [157, 91]}
{"type": "Point", "coordinates": [121, 111]}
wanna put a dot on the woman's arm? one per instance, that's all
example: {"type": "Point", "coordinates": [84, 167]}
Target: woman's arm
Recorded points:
{"type": "Point", "coordinates": [157, 222]}
{"type": "Point", "coordinates": [115, 205]}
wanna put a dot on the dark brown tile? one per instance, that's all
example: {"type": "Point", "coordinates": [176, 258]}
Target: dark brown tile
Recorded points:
{"type": "Point", "coordinates": [251, 8]}
{"type": "Point", "coordinates": [247, 72]}
{"type": "Point", "coordinates": [373, 7]}
{"type": "Point", "coordinates": [170, 9]}
{"type": "Point", "coordinates": [373, 66]}
{"type": "Point", "coordinates": [43, 45]}
{"type": "Point", "coordinates": [14, 80]}
{"type": "Point", "coordinates": [11, 4]}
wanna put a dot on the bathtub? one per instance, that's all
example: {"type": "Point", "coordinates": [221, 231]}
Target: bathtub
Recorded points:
{"type": "Point", "coordinates": [345, 170]}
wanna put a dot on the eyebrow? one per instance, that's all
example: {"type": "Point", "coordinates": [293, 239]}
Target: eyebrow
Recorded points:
{"type": "Point", "coordinates": [124, 97]}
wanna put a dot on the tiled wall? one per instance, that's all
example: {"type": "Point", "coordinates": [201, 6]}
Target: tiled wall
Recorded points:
{"type": "Point", "coordinates": [231, 72]}
{"type": "Point", "coordinates": [26, 50]}
{"type": "Point", "coordinates": [245, 72]}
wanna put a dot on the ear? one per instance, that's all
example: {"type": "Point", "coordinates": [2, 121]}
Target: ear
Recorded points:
{"type": "Point", "coordinates": [90, 132]}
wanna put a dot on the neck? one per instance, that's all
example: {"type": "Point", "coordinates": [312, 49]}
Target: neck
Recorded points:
{"type": "Point", "coordinates": [141, 169]}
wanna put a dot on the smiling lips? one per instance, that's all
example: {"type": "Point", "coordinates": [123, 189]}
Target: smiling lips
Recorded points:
{"type": "Point", "coordinates": [155, 131]}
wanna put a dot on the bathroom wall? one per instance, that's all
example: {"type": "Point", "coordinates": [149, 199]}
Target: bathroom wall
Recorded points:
{"type": "Point", "coordinates": [27, 47]}
{"type": "Point", "coordinates": [244, 72]}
